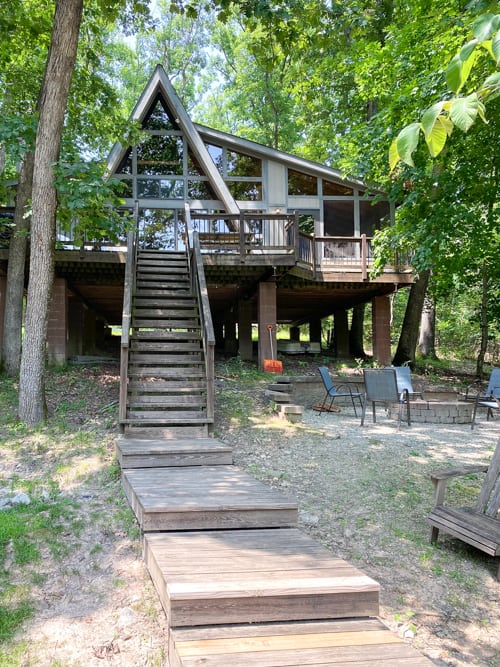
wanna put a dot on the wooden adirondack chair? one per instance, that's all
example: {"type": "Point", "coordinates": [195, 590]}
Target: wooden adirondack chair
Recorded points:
{"type": "Point", "coordinates": [478, 526]}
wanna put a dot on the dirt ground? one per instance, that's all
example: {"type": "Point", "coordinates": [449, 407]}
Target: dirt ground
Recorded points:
{"type": "Point", "coordinates": [362, 492]}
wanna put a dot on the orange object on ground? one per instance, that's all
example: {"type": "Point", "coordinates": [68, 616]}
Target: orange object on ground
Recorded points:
{"type": "Point", "coordinates": [272, 365]}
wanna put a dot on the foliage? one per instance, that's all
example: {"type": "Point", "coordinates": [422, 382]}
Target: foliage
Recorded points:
{"type": "Point", "coordinates": [88, 204]}
{"type": "Point", "coordinates": [460, 111]}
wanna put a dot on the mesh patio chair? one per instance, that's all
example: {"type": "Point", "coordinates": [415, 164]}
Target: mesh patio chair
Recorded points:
{"type": "Point", "coordinates": [404, 381]}
{"type": "Point", "coordinates": [490, 399]}
{"type": "Point", "coordinates": [333, 392]}
{"type": "Point", "coordinates": [381, 387]}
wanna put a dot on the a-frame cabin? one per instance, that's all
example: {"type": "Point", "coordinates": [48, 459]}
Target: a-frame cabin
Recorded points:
{"type": "Point", "coordinates": [283, 239]}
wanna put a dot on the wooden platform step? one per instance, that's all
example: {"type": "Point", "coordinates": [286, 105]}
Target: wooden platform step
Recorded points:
{"type": "Point", "coordinates": [165, 431]}
{"type": "Point", "coordinates": [353, 643]}
{"type": "Point", "coordinates": [208, 497]}
{"type": "Point", "coordinates": [161, 453]}
{"type": "Point", "coordinates": [253, 576]}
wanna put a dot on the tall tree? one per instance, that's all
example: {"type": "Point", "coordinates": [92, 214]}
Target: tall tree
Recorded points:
{"type": "Point", "coordinates": [53, 100]}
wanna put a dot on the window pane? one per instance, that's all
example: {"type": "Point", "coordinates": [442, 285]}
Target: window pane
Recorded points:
{"type": "Point", "coordinates": [124, 188]}
{"type": "Point", "coordinates": [331, 189]}
{"type": "Point", "coordinates": [148, 188]}
{"type": "Point", "coordinates": [339, 218]}
{"type": "Point", "coordinates": [245, 190]}
{"type": "Point", "coordinates": [373, 216]}
{"type": "Point", "coordinates": [125, 166]}
{"type": "Point", "coordinates": [217, 154]}
{"type": "Point", "coordinates": [160, 155]}
{"type": "Point", "coordinates": [301, 184]}
{"type": "Point", "coordinates": [159, 118]}
{"type": "Point", "coordinates": [200, 190]}
{"type": "Point", "coordinates": [243, 165]}
{"type": "Point", "coordinates": [171, 189]}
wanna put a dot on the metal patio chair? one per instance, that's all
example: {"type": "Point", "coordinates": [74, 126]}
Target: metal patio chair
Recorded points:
{"type": "Point", "coordinates": [404, 381]}
{"type": "Point", "coordinates": [490, 399]}
{"type": "Point", "coordinates": [333, 392]}
{"type": "Point", "coordinates": [381, 386]}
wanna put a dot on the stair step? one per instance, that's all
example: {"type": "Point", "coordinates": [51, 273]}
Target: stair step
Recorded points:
{"type": "Point", "coordinates": [161, 453]}
{"type": "Point", "coordinates": [136, 402]}
{"type": "Point", "coordinates": [353, 642]}
{"type": "Point", "coordinates": [165, 302]}
{"type": "Point", "coordinates": [160, 270]}
{"type": "Point", "coordinates": [164, 313]}
{"type": "Point", "coordinates": [207, 498]}
{"type": "Point", "coordinates": [154, 292]}
{"type": "Point", "coordinates": [187, 372]}
{"type": "Point", "coordinates": [166, 416]}
{"type": "Point", "coordinates": [140, 323]}
{"type": "Point", "coordinates": [162, 335]}
{"type": "Point", "coordinates": [171, 284]}
{"type": "Point", "coordinates": [174, 431]}
{"type": "Point", "coordinates": [144, 358]}
{"type": "Point", "coordinates": [159, 346]}
{"type": "Point", "coordinates": [164, 386]}
{"type": "Point", "coordinates": [246, 576]}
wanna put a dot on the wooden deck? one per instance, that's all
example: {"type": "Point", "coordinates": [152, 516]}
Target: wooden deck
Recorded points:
{"type": "Point", "coordinates": [241, 586]}
{"type": "Point", "coordinates": [249, 576]}
{"type": "Point", "coordinates": [204, 498]}
{"type": "Point", "coordinates": [151, 453]}
{"type": "Point", "coordinates": [353, 642]}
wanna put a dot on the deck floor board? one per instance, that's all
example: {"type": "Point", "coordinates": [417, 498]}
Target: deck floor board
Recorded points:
{"type": "Point", "coordinates": [204, 497]}
{"type": "Point", "coordinates": [272, 583]}
{"type": "Point", "coordinates": [357, 643]}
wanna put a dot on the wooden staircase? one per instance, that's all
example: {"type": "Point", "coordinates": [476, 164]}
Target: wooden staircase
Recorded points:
{"type": "Point", "coordinates": [240, 584]}
{"type": "Point", "coordinates": [167, 388]}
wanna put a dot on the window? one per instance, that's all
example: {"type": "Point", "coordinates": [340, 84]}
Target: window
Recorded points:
{"type": "Point", "coordinates": [339, 218]}
{"type": "Point", "coordinates": [160, 188]}
{"type": "Point", "coordinates": [372, 216]}
{"type": "Point", "coordinates": [200, 190]}
{"type": "Point", "coordinates": [159, 118]}
{"type": "Point", "coordinates": [239, 164]}
{"type": "Point", "coordinates": [160, 155]}
{"type": "Point", "coordinates": [245, 190]}
{"type": "Point", "coordinates": [301, 184]}
{"type": "Point", "coordinates": [331, 189]}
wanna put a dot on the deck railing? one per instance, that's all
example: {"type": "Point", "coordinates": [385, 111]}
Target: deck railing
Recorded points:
{"type": "Point", "coordinates": [128, 290]}
{"type": "Point", "coordinates": [199, 287]}
{"type": "Point", "coordinates": [246, 233]}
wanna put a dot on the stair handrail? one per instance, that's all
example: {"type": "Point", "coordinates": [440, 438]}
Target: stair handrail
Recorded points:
{"type": "Point", "coordinates": [128, 290]}
{"type": "Point", "coordinates": [199, 287]}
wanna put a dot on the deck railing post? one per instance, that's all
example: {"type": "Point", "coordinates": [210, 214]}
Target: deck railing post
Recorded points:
{"type": "Point", "coordinates": [364, 258]}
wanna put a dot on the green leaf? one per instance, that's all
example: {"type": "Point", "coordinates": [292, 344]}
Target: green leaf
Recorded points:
{"type": "Point", "coordinates": [495, 47]}
{"type": "Point", "coordinates": [429, 118]}
{"type": "Point", "coordinates": [492, 84]}
{"type": "Point", "coordinates": [464, 111]}
{"type": "Point", "coordinates": [407, 141]}
{"type": "Point", "coordinates": [393, 154]}
{"type": "Point", "coordinates": [436, 138]}
{"type": "Point", "coordinates": [453, 74]}
{"type": "Point", "coordinates": [485, 25]}
{"type": "Point", "coordinates": [467, 50]}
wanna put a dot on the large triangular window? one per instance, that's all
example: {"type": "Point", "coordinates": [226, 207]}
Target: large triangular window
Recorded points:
{"type": "Point", "coordinates": [158, 117]}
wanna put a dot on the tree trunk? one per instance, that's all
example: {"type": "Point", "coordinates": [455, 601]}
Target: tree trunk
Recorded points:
{"type": "Point", "coordinates": [53, 100]}
{"type": "Point", "coordinates": [356, 347]}
{"type": "Point", "coordinates": [427, 340]}
{"type": "Point", "coordinates": [483, 321]}
{"type": "Point", "coordinates": [13, 318]}
{"type": "Point", "coordinates": [408, 338]}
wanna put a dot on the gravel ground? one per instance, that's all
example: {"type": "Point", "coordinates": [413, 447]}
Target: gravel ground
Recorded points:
{"type": "Point", "coordinates": [364, 493]}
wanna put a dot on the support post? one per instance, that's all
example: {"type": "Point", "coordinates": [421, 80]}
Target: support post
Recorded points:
{"type": "Point", "coordinates": [341, 333]}
{"type": "Point", "coordinates": [245, 330]}
{"type": "Point", "coordinates": [267, 318]}
{"type": "Point", "coordinates": [381, 329]}
{"type": "Point", "coordinates": [57, 330]}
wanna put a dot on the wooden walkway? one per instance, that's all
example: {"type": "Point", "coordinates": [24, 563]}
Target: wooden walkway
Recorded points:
{"type": "Point", "coordinates": [241, 586]}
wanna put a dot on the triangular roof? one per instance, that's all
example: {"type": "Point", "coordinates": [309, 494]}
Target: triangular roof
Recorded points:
{"type": "Point", "coordinates": [159, 83]}
{"type": "Point", "coordinates": [196, 134]}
